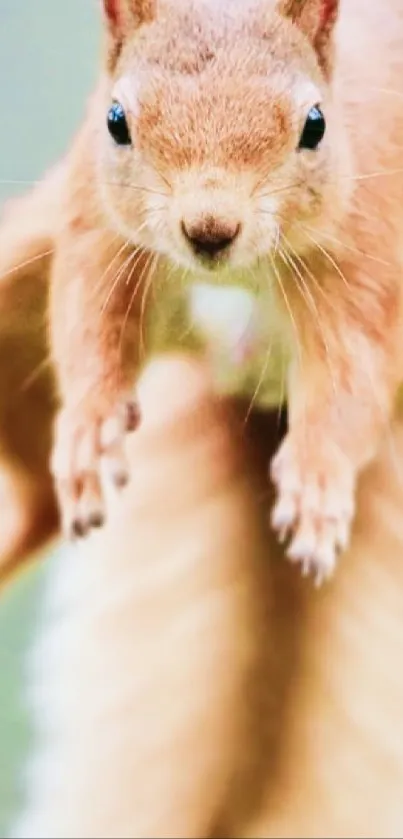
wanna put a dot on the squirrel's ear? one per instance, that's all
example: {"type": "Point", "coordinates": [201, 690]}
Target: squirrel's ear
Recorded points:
{"type": "Point", "coordinates": [122, 16]}
{"type": "Point", "coordinates": [316, 18]}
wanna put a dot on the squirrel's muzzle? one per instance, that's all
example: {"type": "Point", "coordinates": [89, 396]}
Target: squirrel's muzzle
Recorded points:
{"type": "Point", "coordinates": [210, 237]}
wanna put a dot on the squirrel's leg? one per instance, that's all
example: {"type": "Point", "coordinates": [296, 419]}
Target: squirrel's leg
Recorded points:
{"type": "Point", "coordinates": [341, 391]}
{"type": "Point", "coordinates": [96, 295]}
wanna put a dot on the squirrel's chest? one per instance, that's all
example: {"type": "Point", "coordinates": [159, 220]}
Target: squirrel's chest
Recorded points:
{"type": "Point", "coordinates": [245, 333]}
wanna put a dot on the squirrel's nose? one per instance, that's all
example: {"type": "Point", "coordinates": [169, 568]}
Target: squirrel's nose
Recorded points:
{"type": "Point", "coordinates": [209, 237]}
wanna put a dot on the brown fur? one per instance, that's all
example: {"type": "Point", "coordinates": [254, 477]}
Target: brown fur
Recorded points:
{"type": "Point", "coordinates": [29, 512]}
{"type": "Point", "coordinates": [215, 103]}
{"type": "Point", "coordinates": [190, 684]}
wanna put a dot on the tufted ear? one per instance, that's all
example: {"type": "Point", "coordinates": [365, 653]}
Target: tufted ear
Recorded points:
{"type": "Point", "coordinates": [122, 18]}
{"type": "Point", "coordinates": [316, 19]}
{"type": "Point", "coordinates": [124, 15]}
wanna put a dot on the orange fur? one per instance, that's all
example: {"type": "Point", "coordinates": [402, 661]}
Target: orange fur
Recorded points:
{"type": "Point", "coordinates": [27, 403]}
{"type": "Point", "coordinates": [186, 683]}
{"type": "Point", "coordinates": [215, 98]}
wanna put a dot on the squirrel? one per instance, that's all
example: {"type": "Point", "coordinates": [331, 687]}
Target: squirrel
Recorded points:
{"type": "Point", "coordinates": [252, 144]}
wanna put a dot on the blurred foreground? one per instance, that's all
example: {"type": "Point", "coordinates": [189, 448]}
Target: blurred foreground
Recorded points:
{"type": "Point", "coordinates": [48, 57]}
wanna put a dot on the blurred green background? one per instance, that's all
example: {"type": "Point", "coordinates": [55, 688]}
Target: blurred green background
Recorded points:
{"type": "Point", "coordinates": [48, 62]}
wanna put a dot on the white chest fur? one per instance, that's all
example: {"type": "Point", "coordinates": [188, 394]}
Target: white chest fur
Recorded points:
{"type": "Point", "coordinates": [247, 336]}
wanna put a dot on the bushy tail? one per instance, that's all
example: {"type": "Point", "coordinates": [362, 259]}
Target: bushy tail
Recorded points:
{"type": "Point", "coordinates": [27, 235]}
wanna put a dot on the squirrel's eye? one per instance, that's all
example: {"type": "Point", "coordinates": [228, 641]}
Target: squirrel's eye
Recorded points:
{"type": "Point", "coordinates": [314, 129]}
{"type": "Point", "coordinates": [117, 125]}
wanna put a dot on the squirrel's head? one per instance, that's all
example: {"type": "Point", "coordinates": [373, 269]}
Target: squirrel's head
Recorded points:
{"type": "Point", "coordinates": [219, 134]}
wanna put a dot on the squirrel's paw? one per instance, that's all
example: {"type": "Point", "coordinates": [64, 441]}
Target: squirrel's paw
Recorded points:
{"type": "Point", "coordinates": [315, 503]}
{"type": "Point", "coordinates": [85, 437]}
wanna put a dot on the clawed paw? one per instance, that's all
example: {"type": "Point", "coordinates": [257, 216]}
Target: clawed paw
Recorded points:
{"type": "Point", "coordinates": [315, 505]}
{"type": "Point", "coordinates": [85, 438]}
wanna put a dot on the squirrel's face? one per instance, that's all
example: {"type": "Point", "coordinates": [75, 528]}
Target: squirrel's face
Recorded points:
{"type": "Point", "coordinates": [219, 141]}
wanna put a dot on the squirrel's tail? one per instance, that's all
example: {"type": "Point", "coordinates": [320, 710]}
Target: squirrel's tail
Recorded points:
{"type": "Point", "coordinates": [27, 233]}
{"type": "Point", "coordinates": [27, 226]}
